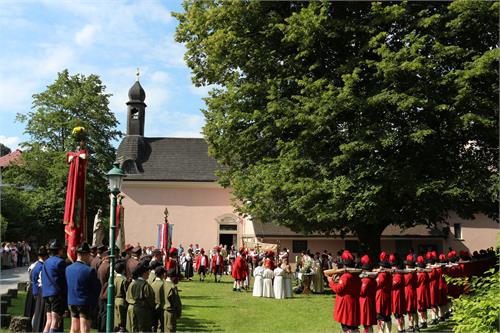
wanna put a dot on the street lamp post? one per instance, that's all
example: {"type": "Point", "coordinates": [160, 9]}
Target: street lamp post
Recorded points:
{"type": "Point", "coordinates": [115, 177]}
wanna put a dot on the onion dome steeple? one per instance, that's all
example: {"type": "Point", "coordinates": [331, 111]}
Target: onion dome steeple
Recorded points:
{"type": "Point", "coordinates": [136, 109]}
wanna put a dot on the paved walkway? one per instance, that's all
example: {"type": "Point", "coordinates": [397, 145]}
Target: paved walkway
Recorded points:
{"type": "Point", "coordinates": [10, 277]}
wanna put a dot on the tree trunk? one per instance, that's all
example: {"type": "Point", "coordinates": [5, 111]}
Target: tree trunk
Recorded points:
{"type": "Point", "coordinates": [369, 238]}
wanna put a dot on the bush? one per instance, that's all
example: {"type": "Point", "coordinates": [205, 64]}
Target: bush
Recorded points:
{"type": "Point", "coordinates": [479, 310]}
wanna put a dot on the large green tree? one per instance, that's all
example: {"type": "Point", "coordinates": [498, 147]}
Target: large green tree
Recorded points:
{"type": "Point", "coordinates": [346, 117]}
{"type": "Point", "coordinates": [4, 150]}
{"type": "Point", "coordinates": [35, 201]}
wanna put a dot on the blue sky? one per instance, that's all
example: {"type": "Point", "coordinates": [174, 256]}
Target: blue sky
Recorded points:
{"type": "Point", "coordinates": [108, 38]}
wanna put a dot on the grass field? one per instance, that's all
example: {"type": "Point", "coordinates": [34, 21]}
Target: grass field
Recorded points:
{"type": "Point", "coordinates": [215, 307]}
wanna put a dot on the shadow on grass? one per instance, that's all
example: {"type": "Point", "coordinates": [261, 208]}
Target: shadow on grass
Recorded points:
{"type": "Point", "coordinates": [187, 306]}
{"type": "Point", "coordinates": [191, 324]}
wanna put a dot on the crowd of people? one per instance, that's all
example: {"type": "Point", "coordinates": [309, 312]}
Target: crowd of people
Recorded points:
{"type": "Point", "coordinates": [146, 296]}
{"type": "Point", "coordinates": [145, 292]}
{"type": "Point", "coordinates": [369, 294]}
{"type": "Point", "coordinates": [15, 254]}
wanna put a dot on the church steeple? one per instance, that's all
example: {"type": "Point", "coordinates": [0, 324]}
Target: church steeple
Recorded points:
{"type": "Point", "coordinates": [136, 108]}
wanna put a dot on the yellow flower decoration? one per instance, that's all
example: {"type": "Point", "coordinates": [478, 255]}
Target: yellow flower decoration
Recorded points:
{"type": "Point", "coordinates": [79, 133]}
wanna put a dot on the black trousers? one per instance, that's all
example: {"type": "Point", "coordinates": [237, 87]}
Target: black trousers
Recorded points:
{"type": "Point", "coordinates": [101, 318]}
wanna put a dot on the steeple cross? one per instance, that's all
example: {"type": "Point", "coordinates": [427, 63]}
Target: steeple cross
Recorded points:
{"type": "Point", "coordinates": [137, 74]}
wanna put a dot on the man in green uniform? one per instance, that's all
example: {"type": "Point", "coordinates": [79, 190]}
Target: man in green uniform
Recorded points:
{"type": "Point", "coordinates": [158, 288]}
{"type": "Point", "coordinates": [121, 305]}
{"type": "Point", "coordinates": [141, 300]}
{"type": "Point", "coordinates": [173, 305]}
{"type": "Point", "coordinates": [152, 268]}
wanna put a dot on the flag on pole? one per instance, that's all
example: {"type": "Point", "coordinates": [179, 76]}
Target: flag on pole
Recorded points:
{"type": "Point", "coordinates": [163, 237]}
{"type": "Point", "coordinates": [120, 226]}
{"type": "Point", "coordinates": [75, 210]}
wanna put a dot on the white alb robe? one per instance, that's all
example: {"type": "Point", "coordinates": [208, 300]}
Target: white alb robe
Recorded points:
{"type": "Point", "coordinates": [267, 283]}
{"type": "Point", "coordinates": [279, 283]}
{"type": "Point", "coordinates": [257, 282]}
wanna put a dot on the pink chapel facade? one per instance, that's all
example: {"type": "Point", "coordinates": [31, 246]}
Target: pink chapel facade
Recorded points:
{"type": "Point", "coordinates": [178, 173]}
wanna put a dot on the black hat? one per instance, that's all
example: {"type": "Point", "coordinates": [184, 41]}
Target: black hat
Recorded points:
{"type": "Point", "coordinates": [42, 251]}
{"type": "Point", "coordinates": [55, 244]}
{"type": "Point", "coordinates": [102, 248]}
{"type": "Point", "coordinates": [83, 248]}
{"type": "Point", "coordinates": [141, 269]}
{"type": "Point", "coordinates": [137, 250]}
{"type": "Point", "coordinates": [160, 270]}
{"type": "Point", "coordinates": [156, 252]}
{"type": "Point", "coordinates": [93, 248]}
{"type": "Point", "coordinates": [153, 264]}
{"type": "Point", "coordinates": [120, 266]}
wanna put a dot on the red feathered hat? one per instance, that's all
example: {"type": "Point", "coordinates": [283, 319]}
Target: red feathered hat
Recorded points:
{"type": "Point", "coordinates": [452, 254]}
{"type": "Point", "coordinates": [383, 256]}
{"type": "Point", "coordinates": [202, 250]}
{"type": "Point", "coordinates": [346, 255]}
{"type": "Point", "coordinates": [392, 258]}
{"type": "Point", "coordinates": [173, 250]}
{"type": "Point", "coordinates": [409, 257]}
{"type": "Point", "coordinates": [428, 255]}
{"type": "Point", "coordinates": [217, 248]}
{"type": "Point", "coordinates": [365, 260]}
{"type": "Point", "coordinates": [267, 263]}
{"type": "Point", "coordinates": [442, 257]}
{"type": "Point", "coordinates": [434, 255]}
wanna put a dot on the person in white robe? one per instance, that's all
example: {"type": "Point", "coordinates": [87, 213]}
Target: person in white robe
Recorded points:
{"type": "Point", "coordinates": [279, 283]}
{"type": "Point", "coordinates": [267, 280]}
{"type": "Point", "coordinates": [257, 282]}
{"type": "Point", "coordinates": [288, 278]}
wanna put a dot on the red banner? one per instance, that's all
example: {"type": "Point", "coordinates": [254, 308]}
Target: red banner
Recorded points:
{"type": "Point", "coordinates": [75, 210]}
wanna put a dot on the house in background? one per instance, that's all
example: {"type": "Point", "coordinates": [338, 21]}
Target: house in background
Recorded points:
{"type": "Point", "coordinates": [178, 173]}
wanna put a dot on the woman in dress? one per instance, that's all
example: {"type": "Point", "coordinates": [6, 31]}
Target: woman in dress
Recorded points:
{"type": "Point", "coordinates": [189, 264]}
{"type": "Point", "coordinates": [267, 280]}
{"type": "Point", "coordinates": [257, 282]}
{"type": "Point", "coordinates": [288, 278]}
{"type": "Point", "coordinates": [279, 283]}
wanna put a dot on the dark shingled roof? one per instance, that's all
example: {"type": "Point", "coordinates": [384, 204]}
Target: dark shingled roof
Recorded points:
{"type": "Point", "coordinates": [273, 230]}
{"type": "Point", "coordinates": [166, 159]}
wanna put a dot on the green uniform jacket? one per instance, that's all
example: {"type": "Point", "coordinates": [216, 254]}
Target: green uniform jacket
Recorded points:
{"type": "Point", "coordinates": [172, 306]}
{"type": "Point", "coordinates": [151, 277]}
{"type": "Point", "coordinates": [121, 305]}
{"type": "Point", "coordinates": [158, 316]}
{"type": "Point", "coordinates": [141, 300]}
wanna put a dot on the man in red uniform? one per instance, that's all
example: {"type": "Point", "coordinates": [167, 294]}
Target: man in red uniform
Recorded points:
{"type": "Point", "coordinates": [443, 289]}
{"type": "Point", "coordinates": [173, 263]}
{"type": "Point", "coordinates": [411, 294]}
{"type": "Point", "coordinates": [422, 291]}
{"type": "Point", "coordinates": [433, 286]}
{"type": "Point", "coordinates": [202, 264]}
{"type": "Point", "coordinates": [367, 309]}
{"type": "Point", "coordinates": [239, 270]}
{"type": "Point", "coordinates": [398, 305]}
{"type": "Point", "coordinates": [383, 295]}
{"type": "Point", "coordinates": [217, 264]}
{"type": "Point", "coordinates": [346, 310]}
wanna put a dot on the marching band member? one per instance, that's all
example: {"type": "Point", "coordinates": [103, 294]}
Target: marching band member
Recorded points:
{"type": "Point", "coordinates": [422, 292]}
{"type": "Point", "coordinates": [411, 294]}
{"type": "Point", "coordinates": [347, 289]}
{"type": "Point", "coordinates": [398, 305]}
{"type": "Point", "coordinates": [367, 309]}
{"type": "Point", "coordinates": [383, 295]}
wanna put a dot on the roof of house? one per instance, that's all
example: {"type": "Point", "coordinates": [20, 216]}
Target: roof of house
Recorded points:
{"type": "Point", "coordinates": [10, 158]}
{"type": "Point", "coordinates": [166, 159]}
{"type": "Point", "coordinates": [273, 230]}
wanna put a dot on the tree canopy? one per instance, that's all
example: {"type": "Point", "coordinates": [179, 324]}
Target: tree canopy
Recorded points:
{"type": "Point", "coordinates": [346, 117]}
{"type": "Point", "coordinates": [4, 150]}
{"type": "Point", "coordinates": [35, 202]}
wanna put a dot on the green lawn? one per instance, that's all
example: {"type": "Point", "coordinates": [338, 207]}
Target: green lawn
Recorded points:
{"type": "Point", "coordinates": [209, 307]}
{"type": "Point", "coordinates": [214, 307]}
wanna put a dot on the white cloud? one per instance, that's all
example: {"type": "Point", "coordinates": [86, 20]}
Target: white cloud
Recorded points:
{"type": "Point", "coordinates": [10, 141]}
{"type": "Point", "coordinates": [16, 93]}
{"type": "Point", "coordinates": [57, 58]}
{"type": "Point", "coordinates": [85, 36]}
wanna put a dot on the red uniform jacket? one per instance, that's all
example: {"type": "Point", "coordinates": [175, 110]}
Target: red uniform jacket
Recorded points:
{"type": "Point", "coordinates": [367, 309]}
{"type": "Point", "coordinates": [433, 288]}
{"type": "Point", "coordinates": [422, 291]}
{"type": "Point", "coordinates": [198, 262]}
{"type": "Point", "coordinates": [443, 287]}
{"type": "Point", "coordinates": [214, 264]}
{"type": "Point", "coordinates": [411, 292]}
{"type": "Point", "coordinates": [383, 295]}
{"type": "Point", "coordinates": [398, 294]}
{"type": "Point", "coordinates": [173, 264]}
{"type": "Point", "coordinates": [240, 269]}
{"type": "Point", "coordinates": [346, 310]}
